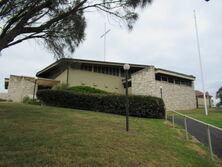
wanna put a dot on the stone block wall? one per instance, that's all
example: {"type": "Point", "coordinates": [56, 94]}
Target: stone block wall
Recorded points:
{"type": "Point", "coordinates": [4, 96]}
{"type": "Point", "coordinates": [20, 87]}
{"type": "Point", "coordinates": [176, 97]}
{"type": "Point", "coordinates": [143, 82]}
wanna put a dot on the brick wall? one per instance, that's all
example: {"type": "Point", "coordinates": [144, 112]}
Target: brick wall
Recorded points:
{"type": "Point", "coordinates": [176, 97]}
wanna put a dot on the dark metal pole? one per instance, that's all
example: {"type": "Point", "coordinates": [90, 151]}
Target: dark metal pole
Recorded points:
{"type": "Point", "coordinates": [127, 103]}
{"type": "Point", "coordinates": [161, 93]}
{"type": "Point", "coordinates": [34, 90]}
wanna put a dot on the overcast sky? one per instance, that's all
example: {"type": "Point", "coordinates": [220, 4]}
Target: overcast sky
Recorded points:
{"type": "Point", "coordinates": [164, 36]}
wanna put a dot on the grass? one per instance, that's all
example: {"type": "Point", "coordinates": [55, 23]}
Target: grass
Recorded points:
{"type": "Point", "coordinates": [214, 116]}
{"type": "Point", "coordinates": [54, 137]}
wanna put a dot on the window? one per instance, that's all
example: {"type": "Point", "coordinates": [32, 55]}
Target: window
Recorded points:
{"type": "Point", "coordinates": [177, 81]}
{"type": "Point", "coordinates": [158, 77]}
{"type": "Point", "coordinates": [164, 78]}
{"type": "Point", "coordinates": [173, 80]}
{"type": "Point", "coordinates": [86, 67]}
{"type": "Point", "coordinates": [170, 80]}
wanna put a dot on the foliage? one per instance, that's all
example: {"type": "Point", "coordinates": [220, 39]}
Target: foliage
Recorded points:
{"type": "Point", "coordinates": [2, 100]}
{"type": "Point", "coordinates": [59, 23]}
{"type": "Point", "coordinates": [62, 86]}
{"type": "Point", "coordinates": [140, 106]}
{"type": "Point", "coordinates": [87, 89]}
{"type": "Point", "coordinates": [219, 95]}
{"type": "Point", "coordinates": [80, 89]}
{"type": "Point", "coordinates": [28, 100]}
{"type": "Point", "coordinates": [41, 136]}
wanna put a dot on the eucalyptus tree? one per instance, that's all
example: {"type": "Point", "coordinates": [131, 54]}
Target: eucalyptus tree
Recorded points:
{"type": "Point", "coordinates": [59, 23]}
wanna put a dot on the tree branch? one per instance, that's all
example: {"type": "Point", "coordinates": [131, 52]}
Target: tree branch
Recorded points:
{"type": "Point", "coordinates": [54, 20]}
{"type": "Point", "coordinates": [3, 2]}
{"type": "Point", "coordinates": [21, 40]}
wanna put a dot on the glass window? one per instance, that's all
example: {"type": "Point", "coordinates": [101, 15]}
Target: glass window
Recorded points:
{"type": "Point", "coordinates": [158, 77]}
{"type": "Point", "coordinates": [170, 80]}
{"type": "Point", "coordinates": [177, 81]}
{"type": "Point", "coordinates": [164, 78]}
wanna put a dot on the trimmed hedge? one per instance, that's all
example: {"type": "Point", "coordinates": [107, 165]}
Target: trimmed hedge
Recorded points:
{"type": "Point", "coordinates": [140, 106]}
{"type": "Point", "coordinates": [80, 89]}
{"type": "Point", "coordinates": [87, 89]}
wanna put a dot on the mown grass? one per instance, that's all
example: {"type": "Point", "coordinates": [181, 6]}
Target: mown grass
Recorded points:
{"type": "Point", "coordinates": [54, 137]}
{"type": "Point", "coordinates": [214, 116]}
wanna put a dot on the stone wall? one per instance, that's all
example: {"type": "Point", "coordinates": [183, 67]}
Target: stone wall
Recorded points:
{"type": "Point", "coordinates": [176, 97]}
{"type": "Point", "coordinates": [143, 82]}
{"type": "Point", "coordinates": [4, 96]}
{"type": "Point", "coordinates": [20, 87]}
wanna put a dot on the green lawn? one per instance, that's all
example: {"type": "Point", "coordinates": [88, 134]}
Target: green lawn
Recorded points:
{"type": "Point", "coordinates": [35, 136]}
{"type": "Point", "coordinates": [214, 116]}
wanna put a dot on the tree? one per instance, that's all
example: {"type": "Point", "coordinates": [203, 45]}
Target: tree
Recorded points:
{"type": "Point", "coordinates": [219, 95]}
{"type": "Point", "coordinates": [59, 23]}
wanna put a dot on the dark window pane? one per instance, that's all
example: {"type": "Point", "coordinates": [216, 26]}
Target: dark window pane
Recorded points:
{"type": "Point", "coordinates": [170, 80]}
{"type": "Point", "coordinates": [164, 78]}
{"type": "Point", "coordinates": [158, 78]}
{"type": "Point", "coordinates": [177, 81]}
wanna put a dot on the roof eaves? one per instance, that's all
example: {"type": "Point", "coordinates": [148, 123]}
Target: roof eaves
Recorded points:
{"type": "Point", "coordinates": [191, 76]}
{"type": "Point", "coordinates": [87, 61]}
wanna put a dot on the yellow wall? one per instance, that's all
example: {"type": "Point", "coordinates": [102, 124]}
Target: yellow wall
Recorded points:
{"type": "Point", "coordinates": [97, 80]}
{"type": "Point", "coordinates": [62, 77]}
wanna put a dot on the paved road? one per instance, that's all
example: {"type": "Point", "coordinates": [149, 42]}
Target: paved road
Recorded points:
{"type": "Point", "coordinates": [219, 108]}
{"type": "Point", "coordinates": [200, 132]}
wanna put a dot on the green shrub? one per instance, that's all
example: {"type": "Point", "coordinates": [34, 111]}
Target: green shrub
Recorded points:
{"type": "Point", "coordinates": [28, 100]}
{"type": "Point", "coordinates": [2, 100]}
{"type": "Point", "coordinates": [61, 87]}
{"type": "Point", "coordinates": [87, 89]}
{"type": "Point", "coordinates": [140, 106]}
{"type": "Point", "coordinates": [80, 89]}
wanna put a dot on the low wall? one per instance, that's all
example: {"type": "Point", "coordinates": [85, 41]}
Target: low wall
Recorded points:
{"type": "Point", "coordinates": [4, 96]}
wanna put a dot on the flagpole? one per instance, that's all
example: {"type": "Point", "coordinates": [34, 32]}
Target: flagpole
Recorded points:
{"type": "Point", "coordinates": [200, 61]}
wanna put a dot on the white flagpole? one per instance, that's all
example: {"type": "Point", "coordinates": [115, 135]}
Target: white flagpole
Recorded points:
{"type": "Point", "coordinates": [201, 68]}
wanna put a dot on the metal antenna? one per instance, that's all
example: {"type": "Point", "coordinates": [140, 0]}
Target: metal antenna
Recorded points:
{"type": "Point", "coordinates": [201, 68]}
{"type": "Point", "coordinates": [104, 35]}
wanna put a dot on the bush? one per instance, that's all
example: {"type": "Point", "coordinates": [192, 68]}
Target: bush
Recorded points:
{"type": "Point", "coordinates": [80, 89]}
{"type": "Point", "coordinates": [140, 106]}
{"type": "Point", "coordinates": [87, 89]}
{"type": "Point", "coordinates": [2, 100]}
{"type": "Point", "coordinates": [61, 87]}
{"type": "Point", "coordinates": [28, 100]}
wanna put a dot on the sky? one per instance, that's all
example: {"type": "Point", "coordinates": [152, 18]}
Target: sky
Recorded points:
{"type": "Point", "coordinates": [164, 36]}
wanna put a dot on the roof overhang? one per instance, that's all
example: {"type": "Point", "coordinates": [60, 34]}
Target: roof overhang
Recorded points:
{"type": "Point", "coordinates": [175, 74]}
{"type": "Point", "coordinates": [70, 61]}
{"type": "Point", "coordinates": [47, 82]}
{"type": "Point", "coordinates": [42, 81]}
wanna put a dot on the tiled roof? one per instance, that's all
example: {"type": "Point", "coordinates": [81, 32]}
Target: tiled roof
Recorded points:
{"type": "Point", "coordinates": [199, 93]}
